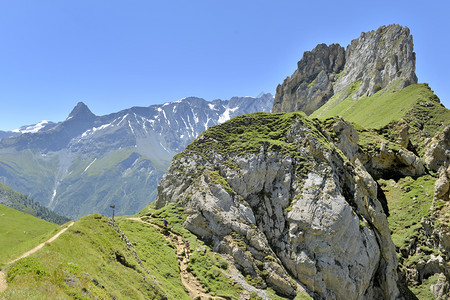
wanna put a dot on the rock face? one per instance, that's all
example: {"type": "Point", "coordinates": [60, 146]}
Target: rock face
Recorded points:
{"type": "Point", "coordinates": [378, 59]}
{"type": "Point", "coordinates": [311, 85]}
{"type": "Point", "coordinates": [277, 194]}
{"type": "Point", "coordinates": [437, 154]}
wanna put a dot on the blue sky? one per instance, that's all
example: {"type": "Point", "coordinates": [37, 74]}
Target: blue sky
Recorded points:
{"type": "Point", "coordinates": [116, 54]}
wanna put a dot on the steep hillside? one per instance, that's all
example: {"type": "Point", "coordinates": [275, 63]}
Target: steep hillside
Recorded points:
{"type": "Point", "coordinates": [403, 136]}
{"type": "Point", "coordinates": [88, 162]}
{"type": "Point", "coordinates": [295, 190]}
{"type": "Point", "coordinates": [293, 208]}
{"type": "Point", "coordinates": [25, 204]}
{"type": "Point", "coordinates": [136, 258]}
{"type": "Point", "coordinates": [20, 232]}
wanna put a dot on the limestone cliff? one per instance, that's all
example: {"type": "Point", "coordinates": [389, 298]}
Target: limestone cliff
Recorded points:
{"type": "Point", "coordinates": [290, 202]}
{"type": "Point", "coordinates": [376, 60]}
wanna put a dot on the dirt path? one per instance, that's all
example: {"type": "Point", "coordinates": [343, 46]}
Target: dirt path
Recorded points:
{"type": "Point", "coordinates": [3, 282]}
{"type": "Point", "coordinates": [190, 282]}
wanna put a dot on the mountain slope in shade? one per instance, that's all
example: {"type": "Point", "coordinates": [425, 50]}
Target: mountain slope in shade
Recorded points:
{"type": "Point", "coordinates": [87, 162]}
{"type": "Point", "coordinates": [25, 204]}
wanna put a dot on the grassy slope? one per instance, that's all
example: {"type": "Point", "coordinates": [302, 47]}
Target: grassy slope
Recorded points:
{"type": "Point", "coordinates": [21, 232]}
{"type": "Point", "coordinates": [88, 261]}
{"type": "Point", "coordinates": [204, 264]}
{"type": "Point", "coordinates": [378, 110]}
{"type": "Point", "coordinates": [91, 261]}
{"type": "Point", "coordinates": [409, 201]}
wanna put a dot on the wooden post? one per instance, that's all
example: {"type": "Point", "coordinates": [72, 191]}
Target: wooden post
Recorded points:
{"type": "Point", "coordinates": [113, 207]}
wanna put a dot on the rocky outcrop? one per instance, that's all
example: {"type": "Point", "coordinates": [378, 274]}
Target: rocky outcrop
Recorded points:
{"type": "Point", "coordinates": [442, 184]}
{"type": "Point", "coordinates": [392, 161]}
{"type": "Point", "coordinates": [437, 153]}
{"type": "Point", "coordinates": [288, 205]}
{"type": "Point", "coordinates": [311, 85]}
{"type": "Point", "coordinates": [378, 59]}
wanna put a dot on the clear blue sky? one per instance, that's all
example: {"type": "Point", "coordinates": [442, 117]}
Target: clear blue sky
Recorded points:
{"type": "Point", "coordinates": [116, 54]}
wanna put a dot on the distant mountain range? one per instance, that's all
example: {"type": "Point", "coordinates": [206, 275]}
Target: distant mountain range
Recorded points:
{"type": "Point", "coordinates": [87, 162]}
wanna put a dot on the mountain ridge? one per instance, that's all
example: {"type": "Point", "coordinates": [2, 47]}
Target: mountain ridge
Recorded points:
{"type": "Point", "coordinates": [376, 60]}
{"type": "Point", "coordinates": [69, 160]}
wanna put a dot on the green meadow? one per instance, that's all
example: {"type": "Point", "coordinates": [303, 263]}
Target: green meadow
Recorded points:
{"type": "Point", "coordinates": [21, 232]}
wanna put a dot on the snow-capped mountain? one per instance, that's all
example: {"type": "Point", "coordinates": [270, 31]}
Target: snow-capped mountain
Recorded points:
{"type": "Point", "coordinates": [26, 129]}
{"type": "Point", "coordinates": [87, 162]}
{"type": "Point", "coordinates": [33, 128]}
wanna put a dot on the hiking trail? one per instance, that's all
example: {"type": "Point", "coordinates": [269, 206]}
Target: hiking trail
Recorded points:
{"type": "Point", "coordinates": [190, 282]}
{"type": "Point", "coordinates": [3, 278]}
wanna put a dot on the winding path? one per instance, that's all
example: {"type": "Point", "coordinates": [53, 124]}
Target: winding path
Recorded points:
{"type": "Point", "coordinates": [190, 282]}
{"type": "Point", "coordinates": [3, 280]}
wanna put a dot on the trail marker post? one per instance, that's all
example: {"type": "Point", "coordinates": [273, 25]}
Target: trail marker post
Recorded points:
{"type": "Point", "coordinates": [113, 207]}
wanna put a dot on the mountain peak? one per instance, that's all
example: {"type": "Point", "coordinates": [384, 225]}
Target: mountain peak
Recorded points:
{"type": "Point", "coordinates": [379, 59]}
{"type": "Point", "coordinates": [80, 111]}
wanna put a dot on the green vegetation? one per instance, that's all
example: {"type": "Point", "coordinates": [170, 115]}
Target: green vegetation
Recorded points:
{"type": "Point", "coordinates": [327, 110]}
{"type": "Point", "coordinates": [409, 201]}
{"type": "Point", "coordinates": [384, 107]}
{"type": "Point", "coordinates": [157, 255]}
{"type": "Point", "coordinates": [21, 232]}
{"type": "Point", "coordinates": [215, 178]}
{"type": "Point", "coordinates": [423, 291]}
{"type": "Point", "coordinates": [208, 268]}
{"type": "Point", "coordinates": [88, 261]}
{"type": "Point", "coordinates": [34, 174]}
{"type": "Point", "coordinates": [247, 133]}
{"type": "Point", "coordinates": [203, 263]}
{"type": "Point", "coordinates": [25, 204]}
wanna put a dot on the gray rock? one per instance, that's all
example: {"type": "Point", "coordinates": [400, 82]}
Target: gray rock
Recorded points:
{"type": "Point", "coordinates": [311, 84]}
{"type": "Point", "coordinates": [437, 152]}
{"type": "Point", "coordinates": [380, 59]}
{"type": "Point", "coordinates": [442, 184]}
{"type": "Point", "coordinates": [312, 219]}
{"type": "Point", "coordinates": [441, 288]}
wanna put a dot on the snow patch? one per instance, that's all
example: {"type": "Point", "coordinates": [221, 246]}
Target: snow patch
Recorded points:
{"type": "Point", "coordinates": [32, 128]}
{"type": "Point", "coordinates": [129, 124]}
{"type": "Point", "coordinates": [225, 116]}
{"type": "Point", "coordinates": [91, 131]}
{"type": "Point", "coordinates": [123, 118]}
{"type": "Point", "coordinates": [53, 196]}
{"type": "Point", "coordinates": [88, 166]}
{"type": "Point", "coordinates": [164, 147]}
{"type": "Point", "coordinates": [195, 117]}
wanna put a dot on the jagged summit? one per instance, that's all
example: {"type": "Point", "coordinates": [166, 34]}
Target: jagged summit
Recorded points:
{"type": "Point", "coordinates": [81, 110]}
{"type": "Point", "coordinates": [378, 59]}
